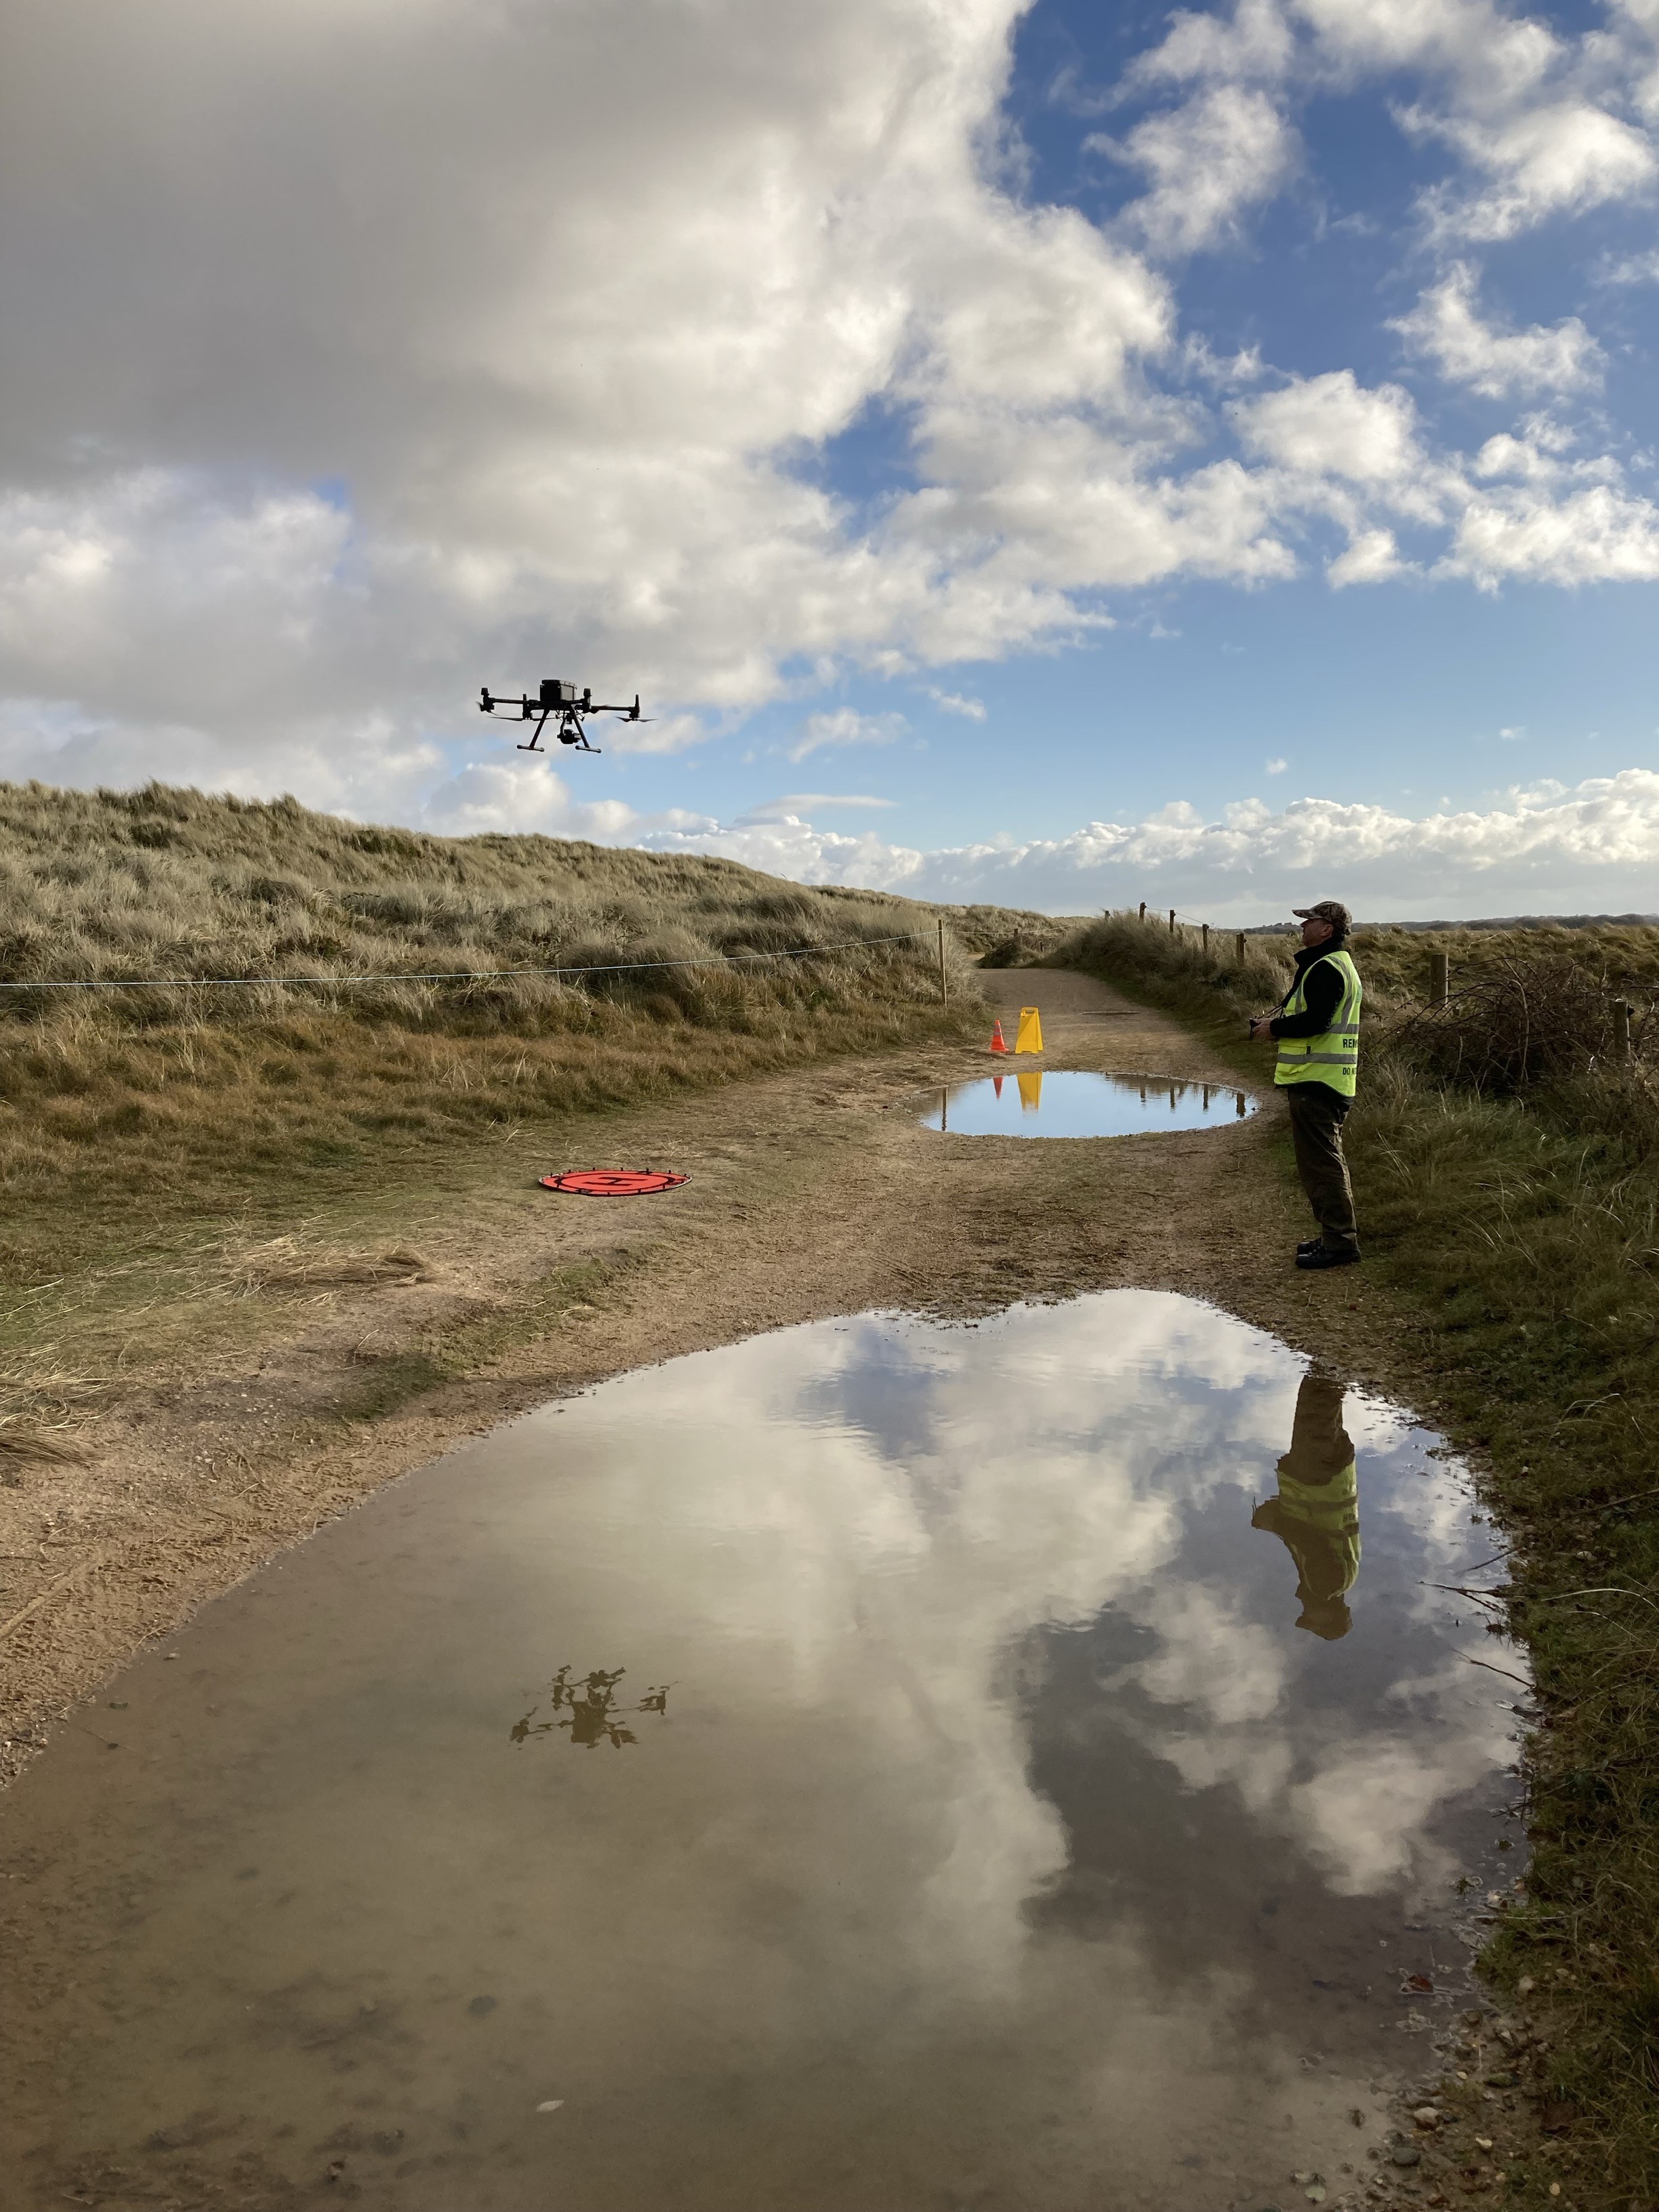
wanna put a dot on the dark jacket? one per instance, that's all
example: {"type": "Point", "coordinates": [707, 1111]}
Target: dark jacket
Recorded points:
{"type": "Point", "coordinates": [1324, 989]}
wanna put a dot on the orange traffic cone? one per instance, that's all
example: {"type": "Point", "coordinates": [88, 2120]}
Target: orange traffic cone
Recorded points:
{"type": "Point", "coordinates": [997, 1045]}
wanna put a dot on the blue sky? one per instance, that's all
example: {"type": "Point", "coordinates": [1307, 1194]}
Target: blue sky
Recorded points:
{"type": "Point", "coordinates": [1045, 452]}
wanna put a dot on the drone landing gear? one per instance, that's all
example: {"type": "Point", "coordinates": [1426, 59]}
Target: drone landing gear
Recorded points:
{"type": "Point", "coordinates": [569, 732]}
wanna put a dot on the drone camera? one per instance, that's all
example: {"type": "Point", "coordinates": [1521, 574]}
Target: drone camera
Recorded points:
{"type": "Point", "coordinates": [555, 693]}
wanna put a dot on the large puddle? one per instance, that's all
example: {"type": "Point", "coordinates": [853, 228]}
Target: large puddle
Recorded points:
{"type": "Point", "coordinates": [1041, 1102]}
{"type": "Point", "coordinates": [883, 1767]}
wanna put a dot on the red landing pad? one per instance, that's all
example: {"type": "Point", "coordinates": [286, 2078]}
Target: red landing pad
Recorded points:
{"type": "Point", "coordinates": [612, 1182]}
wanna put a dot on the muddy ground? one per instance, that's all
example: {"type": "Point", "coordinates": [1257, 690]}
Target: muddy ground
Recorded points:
{"type": "Point", "coordinates": [811, 1194]}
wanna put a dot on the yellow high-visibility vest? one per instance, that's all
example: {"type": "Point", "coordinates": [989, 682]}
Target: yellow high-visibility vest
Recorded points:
{"type": "Point", "coordinates": [1329, 1512]}
{"type": "Point", "coordinates": [1333, 1058]}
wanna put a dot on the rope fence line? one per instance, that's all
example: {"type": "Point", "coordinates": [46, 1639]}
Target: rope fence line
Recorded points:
{"type": "Point", "coordinates": [449, 974]}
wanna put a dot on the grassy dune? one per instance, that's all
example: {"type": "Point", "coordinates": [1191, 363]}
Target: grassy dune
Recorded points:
{"type": "Point", "coordinates": [148, 1135]}
{"type": "Point", "coordinates": [206, 1095]}
{"type": "Point", "coordinates": [1518, 1214]}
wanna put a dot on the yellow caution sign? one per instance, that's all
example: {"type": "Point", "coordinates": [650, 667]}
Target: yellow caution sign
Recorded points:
{"type": "Point", "coordinates": [1030, 1036]}
{"type": "Point", "coordinates": [1030, 1090]}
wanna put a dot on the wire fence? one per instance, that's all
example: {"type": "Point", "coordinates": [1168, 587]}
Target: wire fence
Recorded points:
{"type": "Point", "coordinates": [1174, 920]}
{"type": "Point", "coordinates": [449, 974]}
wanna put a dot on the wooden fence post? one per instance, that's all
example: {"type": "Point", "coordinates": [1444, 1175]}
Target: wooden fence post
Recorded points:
{"type": "Point", "coordinates": [944, 987]}
{"type": "Point", "coordinates": [1439, 978]}
{"type": "Point", "coordinates": [1143, 910]}
{"type": "Point", "coordinates": [1172, 912]}
{"type": "Point", "coordinates": [1239, 942]}
{"type": "Point", "coordinates": [1205, 926]}
{"type": "Point", "coordinates": [1621, 1013]}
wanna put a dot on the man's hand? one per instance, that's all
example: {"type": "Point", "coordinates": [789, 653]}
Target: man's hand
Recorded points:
{"type": "Point", "coordinates": [1261, 1027]}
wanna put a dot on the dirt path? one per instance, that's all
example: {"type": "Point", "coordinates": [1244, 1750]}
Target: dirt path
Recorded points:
{"type": "Point", "coordinates": [813, 1193]}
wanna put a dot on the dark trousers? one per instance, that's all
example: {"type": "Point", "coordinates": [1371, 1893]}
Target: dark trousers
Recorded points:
{"type": "Point", "coordinates": [1317, 1114]}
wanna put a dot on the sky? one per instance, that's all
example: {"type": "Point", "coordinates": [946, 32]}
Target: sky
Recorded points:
{"type": "Point", "coordinates": [1046, 453]}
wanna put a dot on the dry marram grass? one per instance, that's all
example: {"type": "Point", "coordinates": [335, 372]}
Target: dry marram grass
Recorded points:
{"type": "Point", "coordinates": [166, 1152]}
{"type": "Point", "coordinates": [195, 1097]}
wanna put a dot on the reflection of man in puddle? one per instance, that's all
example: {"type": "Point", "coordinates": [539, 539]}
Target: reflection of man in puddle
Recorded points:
{"type": "Point", "coordinates": [1317, 1513]}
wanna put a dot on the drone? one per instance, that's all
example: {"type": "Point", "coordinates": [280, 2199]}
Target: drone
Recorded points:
{"type": "Point", "coordinates": [563, 700]}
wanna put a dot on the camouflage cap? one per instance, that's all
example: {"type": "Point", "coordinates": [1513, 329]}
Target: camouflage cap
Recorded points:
{"type": "Point", "coordinates": [1331, 910]}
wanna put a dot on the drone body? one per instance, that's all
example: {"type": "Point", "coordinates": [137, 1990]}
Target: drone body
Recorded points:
{"type": "Point", "coordinates": [557, 697]}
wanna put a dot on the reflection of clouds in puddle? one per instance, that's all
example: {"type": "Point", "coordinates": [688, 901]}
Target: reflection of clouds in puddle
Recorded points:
{"type": "Point", "coordinates": [1213, 1662]}
{"type": "Point", "coordinates": [925, 1497]}
{"type": "Point", "coordinates": [1357, 1812]}
{"type": "Point", "coordinates": [1361, 1814]}
{"type": "Point", "coordinates": [1004, 1838]}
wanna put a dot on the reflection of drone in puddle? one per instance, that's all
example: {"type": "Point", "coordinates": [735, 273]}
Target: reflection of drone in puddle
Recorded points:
{"type": "Point", "coordinates": [592, 1713]}
{"type": "Point", "coordinates": [571, 706]}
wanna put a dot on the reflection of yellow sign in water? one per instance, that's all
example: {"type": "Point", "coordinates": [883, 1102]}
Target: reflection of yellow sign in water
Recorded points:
{"type": "Point", "coordinates": [1030, 1036]}
{"type": "Point", "coordinates": [1030, 1090]}
{"type": "Point", "coordinates": [1315, 1514]}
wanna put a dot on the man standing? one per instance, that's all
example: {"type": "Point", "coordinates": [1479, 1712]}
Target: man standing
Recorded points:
{"type": "Point", "coordinates": [1317, 1031]}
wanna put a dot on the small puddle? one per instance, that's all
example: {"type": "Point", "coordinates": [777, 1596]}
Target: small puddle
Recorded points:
{"type": "Point", "coordinates": [1042, 1102]}
{"type": "Point", "coordinates": [1026, 1765]}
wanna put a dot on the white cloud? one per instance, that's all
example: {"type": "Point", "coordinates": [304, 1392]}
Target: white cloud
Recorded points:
{"type": "Point", "coordinates": [1332, 426]}
{"type": "Point", "coordinates": [1595, 848]}
{"type": "Point", "coordinates": [109, 591]}
{"type": "Point", "coordinates": [1370, 557]}
{"type": "Point", "coordinates": [1630, 269]}
{"type": "Point", "coordinates": [310, 431]}
{"type": "Point", "coordinates": [845, 725]}
{"type": "Point", "coordinates": [1586, 536]}
{"type": "Point", "coordinates": [518, 799]}
{"type": "Point", "coordinates": [1347, 452]}
{"type": "Point", "coordinates": [557, 382]}
{"type": "Point", "coordinates": [1537, 454]}
{"type": "Point", "coordinates": [1445, 325]}
{"type": "Point", "coordinates": [1277, 766]}
{"type": "Point", "coordinates": [1634, 54]}
{"type": "Point", "coordinates": [1534, 118]}
{"type": "Point", "coordinates": [1225, 150]}
{"type": "Point", "coordinates": [1254, 42]}
{"type": "Point", "coordinates": [1483, 52]}
{"type": "Point", "coordinates": [955, 702]}
{"type": "Point", "coordinates": [1562, 157]}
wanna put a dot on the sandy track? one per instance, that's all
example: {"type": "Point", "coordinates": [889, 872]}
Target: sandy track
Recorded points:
{"type": "Point", "coordinates": [813, 1193]}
